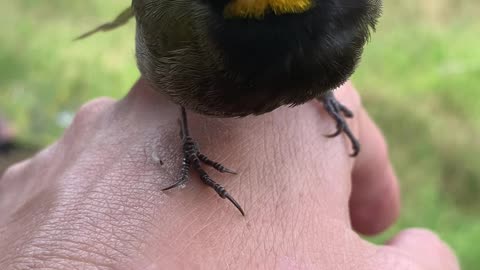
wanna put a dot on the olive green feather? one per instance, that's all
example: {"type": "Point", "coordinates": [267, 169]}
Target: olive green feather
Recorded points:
{"type": "Point", "coordinates": [120, 20]}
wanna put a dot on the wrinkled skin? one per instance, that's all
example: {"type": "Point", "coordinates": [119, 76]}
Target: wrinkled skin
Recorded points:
{"type": "Point", "coordinates": [93, 199]}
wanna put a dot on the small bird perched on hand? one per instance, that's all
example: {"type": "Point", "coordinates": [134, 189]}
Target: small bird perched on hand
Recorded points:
{"type": "Point", "coordinates": [233, 58]}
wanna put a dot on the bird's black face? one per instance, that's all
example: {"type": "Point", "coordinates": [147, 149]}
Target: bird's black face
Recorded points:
{"type": "Point", "coordinates": [290, 58]}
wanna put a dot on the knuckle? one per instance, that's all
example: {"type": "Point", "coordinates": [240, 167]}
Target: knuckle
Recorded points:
{"type": "Point", "coordinates": [430, 246]}
{"type": "Point", "coordinates": [24, 170]}
{"type": "Point", "coordinates": [94, 107]}
{"type": "Point", "coordinates": [420, 233]}
{"type": "Point", "coordinates": [90, 111]}
{"type": "Point", "coordinates": [15, 170]}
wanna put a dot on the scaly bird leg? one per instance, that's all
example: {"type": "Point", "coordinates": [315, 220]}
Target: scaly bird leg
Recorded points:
{"type": "Point", "coordinates": [192, 159]}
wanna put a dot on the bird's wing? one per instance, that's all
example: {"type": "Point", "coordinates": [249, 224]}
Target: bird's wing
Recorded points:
{"type": "Point", "coordinates": [164, 25]}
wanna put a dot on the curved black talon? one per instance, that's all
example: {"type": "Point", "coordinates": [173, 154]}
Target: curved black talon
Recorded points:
{"type": "Point", "coordinates": [339, 130]}
{"type": "Point", "coordinates": [237, 205]}
{"type": "Point", "coordinates": [193, 160]}
{"type": "Point", "coordinates": [339, 112]}
{"type": "Point", "coordinates": [183, 175]}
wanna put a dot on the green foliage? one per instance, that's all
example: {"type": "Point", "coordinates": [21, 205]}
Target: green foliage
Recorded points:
{"type": "Point", "coordinates": [419, 80]}
{"type": "Point", "coordinates": [43, 72]}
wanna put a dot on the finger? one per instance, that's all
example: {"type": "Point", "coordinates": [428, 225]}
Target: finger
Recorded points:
{"type": "Point", "coordinates": [426, 249]}
{"type": "Point", "coordinates": [374, 202]}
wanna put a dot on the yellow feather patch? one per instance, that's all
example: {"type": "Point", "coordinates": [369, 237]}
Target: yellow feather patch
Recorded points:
{"type": "Point", "coordinates": [257, 8]}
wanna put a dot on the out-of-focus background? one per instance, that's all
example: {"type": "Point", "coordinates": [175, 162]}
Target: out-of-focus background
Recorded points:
{"type": "Point", "coordinates": [420, 80]}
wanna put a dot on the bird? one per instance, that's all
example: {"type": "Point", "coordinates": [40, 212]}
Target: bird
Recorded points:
{"type": "Point", "coordinates": [234, 58]}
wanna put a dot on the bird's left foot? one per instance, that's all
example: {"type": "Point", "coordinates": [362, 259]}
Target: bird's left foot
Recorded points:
{"type": "Point", "coordinates": [339, 112]}
{"type": "Point", "coordinates": [193, 159]}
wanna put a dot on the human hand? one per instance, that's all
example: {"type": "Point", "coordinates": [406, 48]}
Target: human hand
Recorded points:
{"type": "Point", "coordinates": [93, 199]}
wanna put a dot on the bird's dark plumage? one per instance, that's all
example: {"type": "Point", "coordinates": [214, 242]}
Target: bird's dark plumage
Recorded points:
{"type": "Point", "coordinates": [240, 66]}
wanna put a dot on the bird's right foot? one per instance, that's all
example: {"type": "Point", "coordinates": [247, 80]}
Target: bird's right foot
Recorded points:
{"type": "Point", "coordinates": [339, 112]}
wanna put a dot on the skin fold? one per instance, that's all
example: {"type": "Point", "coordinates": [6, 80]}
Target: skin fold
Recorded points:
{"type": "Point", "coordinates": [93, 199]}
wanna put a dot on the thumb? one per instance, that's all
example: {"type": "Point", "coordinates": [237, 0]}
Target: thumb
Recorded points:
{"type": "Point", "coordinates": [425, 248]}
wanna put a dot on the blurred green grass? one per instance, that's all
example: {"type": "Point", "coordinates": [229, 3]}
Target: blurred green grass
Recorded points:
{"type": "Point", "coordinates": [419, 79]}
